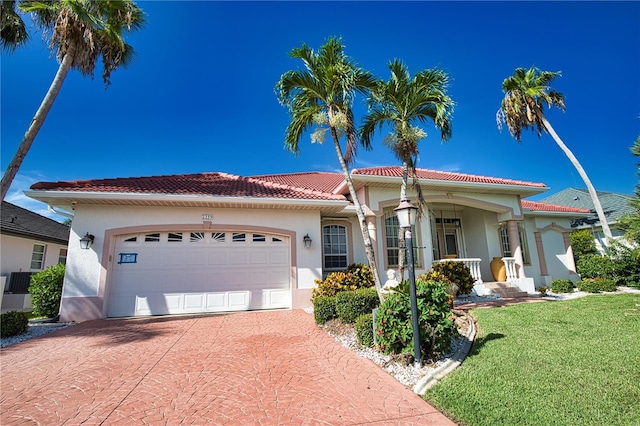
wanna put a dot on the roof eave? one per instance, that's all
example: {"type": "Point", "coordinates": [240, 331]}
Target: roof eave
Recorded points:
{"type": "Point", "coordinates": [67, 200]}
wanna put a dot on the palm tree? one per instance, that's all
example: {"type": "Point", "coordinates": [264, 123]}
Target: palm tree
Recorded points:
{"type": "Point", "coordinates": [403, 103]}
{"type": "Point", "coordinates": [526, 91]}
{"type": "Point", "coordinates": [13, 32]}
{"type": "Point", "coordinates": [82, 31]}
{"type": "Point", "coordinates": [322, 94]}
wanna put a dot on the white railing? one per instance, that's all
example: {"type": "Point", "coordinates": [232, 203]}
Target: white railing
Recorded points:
{"type": "Point", "coordinates": [510, 267]}
{"type": "Point", "coordinates": [472, 263]}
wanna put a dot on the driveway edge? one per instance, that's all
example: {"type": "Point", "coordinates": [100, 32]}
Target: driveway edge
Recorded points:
{"type": "Point", "coordinates": [451, 364]}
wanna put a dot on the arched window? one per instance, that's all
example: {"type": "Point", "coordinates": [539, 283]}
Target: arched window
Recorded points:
{"type": "Point", "coordinates": [334, 247]}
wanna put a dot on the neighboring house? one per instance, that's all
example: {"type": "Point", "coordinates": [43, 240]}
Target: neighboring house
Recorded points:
{"type": "Point", "coordinates": [613, 204]}
{"type": "Point", "coordinates": [215, 242]}
{"type": "Point", "coordinates": [29, 243]}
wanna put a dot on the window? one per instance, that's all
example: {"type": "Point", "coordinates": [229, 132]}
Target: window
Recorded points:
{"type": "Point", "coordinates": [196, 237]}
{"type": "Point", "coordinates": [391, 229]}
{"type": "Point", "coordinates": [37, 257]}
{"type": "Point", "coordinates": [62, 256]}
{"type": "Point", "coordinates": [506, 247]}
{"type": "Point", "coordinates": [334, 246]}
{"type": "Point", "coordinates": [218, 237]}
{"type": "Point", "coordinates": [152, 238]}
{"type": "Point", "coordinates": [131, 240]}
{"type": "Point", "coordinates": [238, 237]}
{"type": "Point", "coordinates": [174, 237]}
{"type": "Point", "coordinates": [259, 238]}
{"type": "Point", "coordinates": [391, 232]}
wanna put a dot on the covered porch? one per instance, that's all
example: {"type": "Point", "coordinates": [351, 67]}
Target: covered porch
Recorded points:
{"type": "Point", "coordinates": [475, 231]}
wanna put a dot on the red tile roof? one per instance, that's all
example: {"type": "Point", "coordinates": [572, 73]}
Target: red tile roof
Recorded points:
{"type": "Point", "coordinates": [318, 181]}
{"type": "Point", "coordinates": [218, 184]}
{"type": "Point", "coordinates": [396, 171]}
{"type": "Point", "coordinates": [546, 207]}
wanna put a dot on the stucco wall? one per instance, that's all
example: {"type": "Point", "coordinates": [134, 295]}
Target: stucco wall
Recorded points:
{"type": "Point", "coordinates": [88, 271]}
{"type": "Point", "coordinates": [16, 257]}
{"type": "Point", "coordinates": [556, 256]}
{"type": "Point", "coordinates": [16, 254]}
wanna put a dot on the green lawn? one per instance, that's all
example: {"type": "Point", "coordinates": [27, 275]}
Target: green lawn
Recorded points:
{"type": "Point", "coordinates": [574, 362]}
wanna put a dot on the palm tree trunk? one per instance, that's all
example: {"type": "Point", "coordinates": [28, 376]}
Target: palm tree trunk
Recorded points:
{"type": "Point", "coordinates": [37, 121]}
{"type": "Point", "coordinates": [371, 257]}
{"type": "Point", "coordinates": [583, 175]}
{"type": "Point", "coordinates": [402, 254]}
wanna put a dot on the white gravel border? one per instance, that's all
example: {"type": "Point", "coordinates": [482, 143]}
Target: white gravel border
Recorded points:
{"type": "Point", "coordinates": [35, 329]}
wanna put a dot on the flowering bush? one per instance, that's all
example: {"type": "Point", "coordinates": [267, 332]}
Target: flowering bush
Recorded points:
{"type": "Point", "coordinates": [456, 272]}
{"type": "Point", "coordinates": [394, 329]}
{"type": "Point", "coordinates": [355, 277]}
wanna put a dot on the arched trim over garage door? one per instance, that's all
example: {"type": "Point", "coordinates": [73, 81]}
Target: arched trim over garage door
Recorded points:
{"type": "Point", "coordinates": [188, 269]}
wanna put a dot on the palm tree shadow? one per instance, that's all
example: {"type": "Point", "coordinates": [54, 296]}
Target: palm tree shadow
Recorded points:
{"type": "Point", "coordinates": [479, 343]}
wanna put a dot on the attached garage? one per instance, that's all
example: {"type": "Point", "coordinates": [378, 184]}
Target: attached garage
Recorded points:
{"type": "Point", "coordinates": [183, 271]}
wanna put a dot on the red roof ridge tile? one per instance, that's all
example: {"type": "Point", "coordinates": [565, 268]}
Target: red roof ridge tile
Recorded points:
{"type": "Point", "coordinates": [540, 206]}
{"type": "Point", "coordinates": [443, 175]}
{"type": "Point", "coordinates": [292, 187]}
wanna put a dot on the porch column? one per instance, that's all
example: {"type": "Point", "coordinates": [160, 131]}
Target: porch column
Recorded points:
{"type": "Point", "coordinates": [541, 257]}
{"type": "Point", "coordinates": [514, 243]}
{"type": "Point", "coordinates": [571, 262]}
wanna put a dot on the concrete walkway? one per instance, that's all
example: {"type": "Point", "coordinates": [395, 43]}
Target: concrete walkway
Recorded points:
{"type": "Point", "coordinates": [253, 368]}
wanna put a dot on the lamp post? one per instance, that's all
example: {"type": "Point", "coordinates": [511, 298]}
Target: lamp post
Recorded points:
{"type": "Point", "coordinates": [407, 213]}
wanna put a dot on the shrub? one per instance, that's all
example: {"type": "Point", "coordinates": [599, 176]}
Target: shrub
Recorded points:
{"type": "Point", "coordinates": [394, 329]}
{"type": "Point", "coordinates": [13, 323]}
{"type": "Point", "coordinates": [542, 290]}
{"type": "Point", "coordinates": [626, 265]}
{"type": "Point", "coordinates": [595, 266]}
{"type": "Point", "coordinates": [356, 276]}
{"type": "Point", "coordinates": [364, 330]}
{"type": "Point", "coordinates": [456, 272]}
{"type": "Point", "coordinates": [351, 304]}
{"type": "Point", "coordinates": [582, 242]}
{"type": "Point", "coordinates": [596, 285]}
{"type": "Point", "coordinates": [562, 286]}
{"type": "Point", "coordinates": [324, 309]}
{"type": "Point", "coordinates": [431, 275]}
{"type": "Point", "coordinates": [46, 291]}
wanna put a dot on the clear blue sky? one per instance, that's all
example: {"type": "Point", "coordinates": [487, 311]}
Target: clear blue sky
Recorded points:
{"type": "Point", "coordinates": [199, 97]}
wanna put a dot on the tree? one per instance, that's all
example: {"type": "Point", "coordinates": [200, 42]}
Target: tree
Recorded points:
{"type": "Point", "coordinates": [630, 223]}
{"type": "Point", "coordinates": [322, 94]}
{"type": "Point", "coordinates": [403, 103]}
{"type": "Point", "coordinates": [82, 31]}
{"type": "Point", "coordinates": [526, 91]}
{"type": "Point", "coordinates": [13, 31]}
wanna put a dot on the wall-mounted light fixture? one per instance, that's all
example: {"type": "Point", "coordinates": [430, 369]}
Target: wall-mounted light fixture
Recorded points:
{"type": "Point", "coordinates": [307, 241]}
{"type": "Point", "coordinates": [86, 241]}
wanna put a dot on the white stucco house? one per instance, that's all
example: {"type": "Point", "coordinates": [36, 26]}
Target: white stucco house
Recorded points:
{"type": "Point", "coordinates": [29, 243]}
{"type": "Point", "coordinates": [214, 242]}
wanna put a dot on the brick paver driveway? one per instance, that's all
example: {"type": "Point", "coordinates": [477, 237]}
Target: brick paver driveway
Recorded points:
{"type": "Point", "coordinates": [249, 368]}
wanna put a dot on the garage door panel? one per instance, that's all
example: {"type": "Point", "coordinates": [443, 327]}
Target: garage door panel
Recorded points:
{"type": "Point", "coordinates": [279, 257]}
{"type": "Point", "coordinates": [259, 257]}
{"type": "Point", "coordinates": [216, 302]}
{"type": "Point", "coordinates": [239, 299]}
{"type": "Point", "coordinates": [212, 274]}
{"type": "Point", "coordinates": [237, 257]}
{"type": "Point", "coordinates": [218, 258]}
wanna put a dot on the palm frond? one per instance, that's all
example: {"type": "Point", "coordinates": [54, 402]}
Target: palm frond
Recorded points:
{"type": "Point", "coordinates": [13, 31]}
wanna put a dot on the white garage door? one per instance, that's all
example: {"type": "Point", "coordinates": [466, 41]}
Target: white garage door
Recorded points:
{"type": "Point", "coordinates": [191, 272]}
